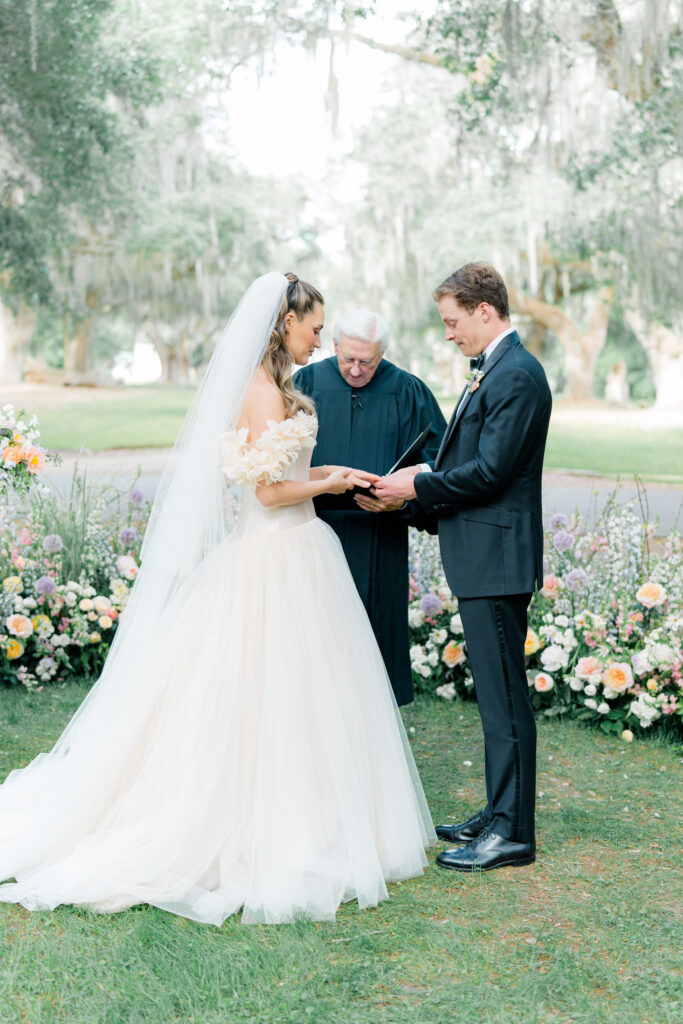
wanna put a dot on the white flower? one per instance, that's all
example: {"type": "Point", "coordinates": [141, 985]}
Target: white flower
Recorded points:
{"type": "Point", "coordinates": [645, 710]}
{"type": "Point", "coordinates": [85, 604]}
{"type": "Point", "coordinates": [568, 639]}
{"type": "Point", "coordinates": [417, 654]}
{"type": "Point", "coordinates": [576, 684]}
{"type": "Point", "coordinates": [590, 703]}
{"type": "Point", "coordinates": [446, 690]}
{"type": "Point", "coordinates": [415, 618]}
{"type": "Point", "coordinates": [603, 708]}
{"type": "Point", "coordinates": [70, 599]}
{"type": "Point", "coordinates": [425, 671]}
{"type": "Point", "coordinates": [662, 654]}
{"type": "Point", "coordinates": [89, 591]}
{"type": "Point", "coordinates": [102, 605]}
{"type": "Point", "coordinates": [590, 689]}
{"type": "Point", "coordinates": [456, 624]}
{"type": "Point", "coordinates": [609, 694]}
{"type": "Point", "coordinates": [561, 620]}
{"type": "Point", "coordinates": [30, 602]}
{"type": "Point", "coordinates": [554, 658]}
{"type": "Point", "coordinates": [76, 587]}
{"type": "Point", "coordinates": [127, 566]}
{"type": "Point", "coordinates": [640, 663]}
{"type": "Point", "coordinates": [433, 658]}
{"type": "Point", "coordinates": [439, 636]}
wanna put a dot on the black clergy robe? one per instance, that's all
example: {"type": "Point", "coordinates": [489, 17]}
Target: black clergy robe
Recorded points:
{"type": "Point", "coordinates": [369, 428]}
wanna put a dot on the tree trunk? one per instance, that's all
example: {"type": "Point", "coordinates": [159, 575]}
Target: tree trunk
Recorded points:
{"type": "Point", "coordinates": [15, 333]}
{"type": "Point", "coordinates": [77, 347]}
{"type": "Point", "coordinates": [175, 366]}
{"type": "Point", "coordinates": [581, 350]}
{"type": "Point", "coordinates": [664, 348]}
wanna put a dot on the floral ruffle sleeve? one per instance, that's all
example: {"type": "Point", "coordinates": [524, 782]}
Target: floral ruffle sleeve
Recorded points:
{"type": "Point", "coordinates": [265, 461]}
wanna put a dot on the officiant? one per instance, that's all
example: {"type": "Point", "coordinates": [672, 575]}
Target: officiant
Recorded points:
{"type": "Point", "coordinates": [369, 412]}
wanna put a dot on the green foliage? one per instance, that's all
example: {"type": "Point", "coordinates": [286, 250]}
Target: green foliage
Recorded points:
{"type": "Point", "coordinates": [60, 83]}
{"type": "Point", "coordinates": [622, 344]}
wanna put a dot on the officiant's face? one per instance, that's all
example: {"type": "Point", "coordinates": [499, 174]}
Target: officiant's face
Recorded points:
{"type": "Point", "coordinates": [358, 360]}
{"type": "Point", "coordinates": [468, 330]}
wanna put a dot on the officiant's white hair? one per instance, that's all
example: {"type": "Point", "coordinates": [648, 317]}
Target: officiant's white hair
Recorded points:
{"type": "Point", "coordinates": [363, 325]}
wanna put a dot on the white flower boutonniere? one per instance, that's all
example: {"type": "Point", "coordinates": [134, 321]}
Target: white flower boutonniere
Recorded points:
{"type": "Point", "coordinates": [474, 378]}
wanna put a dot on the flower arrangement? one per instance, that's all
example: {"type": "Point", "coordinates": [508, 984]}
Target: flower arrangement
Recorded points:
{"type": "Point", "coordinates": [605, 637]}
{"type": "Point", "coordinates": [66, 571]}
{"type": "Point", "coordinates": [22, 458]}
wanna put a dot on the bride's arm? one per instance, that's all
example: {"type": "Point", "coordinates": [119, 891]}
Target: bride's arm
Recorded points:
{"type": "Point", "coordinates": [269, 406]}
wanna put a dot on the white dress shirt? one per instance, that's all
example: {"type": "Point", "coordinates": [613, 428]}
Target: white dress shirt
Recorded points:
{"type": "Point", "coordinates": [488, 352]}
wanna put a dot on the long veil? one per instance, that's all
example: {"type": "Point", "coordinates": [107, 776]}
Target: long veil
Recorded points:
{"type": "Point", "coordinates": [186, 525]}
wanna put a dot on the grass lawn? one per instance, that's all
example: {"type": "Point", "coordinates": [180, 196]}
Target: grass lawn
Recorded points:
{"type": "Point", "coordinates": [588, 934]}
{"type": "Point", "coordinates": [150, 417]}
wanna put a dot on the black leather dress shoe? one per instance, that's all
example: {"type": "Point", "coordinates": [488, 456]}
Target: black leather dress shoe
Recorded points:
{"type": "Point", "coordinates": [465, 832]}
{"type": "Point", "coordinates": [487, 851]}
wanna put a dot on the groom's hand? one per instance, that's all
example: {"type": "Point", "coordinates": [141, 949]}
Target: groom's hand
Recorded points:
{"type": "Point", "coordinates": [398, 486]}
{"type": "Point", "coordinates": [370, 504]}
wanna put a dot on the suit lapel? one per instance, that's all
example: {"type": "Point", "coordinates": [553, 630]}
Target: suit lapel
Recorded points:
{"type": "Point", "coordinates": [505, 345]}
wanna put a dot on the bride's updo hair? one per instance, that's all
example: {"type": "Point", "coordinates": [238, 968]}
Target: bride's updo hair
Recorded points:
{"type": "Point", "coordinates": [300, 299]}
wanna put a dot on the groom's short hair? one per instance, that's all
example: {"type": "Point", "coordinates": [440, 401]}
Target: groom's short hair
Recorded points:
{"type": "Point", "coordinates": [473, 284]}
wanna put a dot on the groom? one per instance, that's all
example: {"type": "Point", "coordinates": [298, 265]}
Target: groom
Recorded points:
{"type": "Point", "coordinates": [485, 491]}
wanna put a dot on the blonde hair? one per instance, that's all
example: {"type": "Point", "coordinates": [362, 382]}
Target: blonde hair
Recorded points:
{"type": "Point", "coordinates": [300, 299]}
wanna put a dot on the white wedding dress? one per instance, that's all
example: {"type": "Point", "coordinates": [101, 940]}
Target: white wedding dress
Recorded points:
{"type": "Point", "coordinates": [267, 767]}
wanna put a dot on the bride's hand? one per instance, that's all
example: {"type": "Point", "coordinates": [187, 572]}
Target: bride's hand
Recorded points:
{"type": "Point", "coordinates": [339, 481]}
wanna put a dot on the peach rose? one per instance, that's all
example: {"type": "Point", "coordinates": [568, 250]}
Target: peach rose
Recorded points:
{"type": "Point", "coordinates": [651, 595]}
{"type": "Point", "coordinates": [551, 587]}
{"type": "Point", "coordinates": [19, 625]}
{"type": "Point", "coordinates": [13, 455]}
{"type": "Point", "coordinates": [586, 667]}
{"type": "Point", "coordinates": [35, 459]}
{"type": "Point", "coordinates": [618, 676]}
{"type": "Point", "coordinates": [543, 682]}
{"type": "Point", "coordinates": [532, 642]}
{"type": "Point", "coordinates": [453, 654]}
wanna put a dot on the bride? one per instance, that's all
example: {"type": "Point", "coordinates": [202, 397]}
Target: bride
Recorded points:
{"type": "Point", "coordinates": [242, 748]}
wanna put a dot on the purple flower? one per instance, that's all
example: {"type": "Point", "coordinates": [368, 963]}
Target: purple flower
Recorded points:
{"type": "Point", "coordinates": [558, 522]}
{"type": "Point", "coordinates": [430, 604]}
{"type": "Point", "coordinates": [136, 497]}
{"type": "Point", "coordinates": [53, 543]}
{"type": "Point", "coordinates": [128, 536]}
{"type": "Point", "coordinates": [45, 585]}
{"type": "Point", "coordinates": [576, 579]}
{"type": "Point", "coordinates": [563, 541]}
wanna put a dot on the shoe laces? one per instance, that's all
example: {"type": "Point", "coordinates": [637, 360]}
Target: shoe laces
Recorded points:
{"type": "Point", "coordinates": [485, 834]}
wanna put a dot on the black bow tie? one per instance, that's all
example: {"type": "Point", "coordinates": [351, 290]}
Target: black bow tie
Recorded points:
{"type": "Point", "coordinates": [476, 364]}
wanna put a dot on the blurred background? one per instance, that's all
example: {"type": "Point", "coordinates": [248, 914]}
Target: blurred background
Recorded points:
{"type": "Point", "coordinates": [157, 155]}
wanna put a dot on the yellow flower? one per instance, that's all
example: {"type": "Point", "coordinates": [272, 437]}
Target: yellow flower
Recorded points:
{"type": "Point", "coordinates": [532, 642]}
{"type": "Point", "coordinates": [40, 620]}
{"type": "Point", "coordinates": [13, 583]}
{"type": "Point", "coordinates": [453, 654]}
{"type": "Point", "coordinates": [104, 622]}
{"type": "Point", "coordinates": [35, 459]}
{"type": "Point", "coordinates": [14, 650]}
{"type": "Point", "coordinates": [652, 685]}
{"type": "Point", "coordinates": [627, 736]}
{"type": "Point", "coordinates": [94, 638]}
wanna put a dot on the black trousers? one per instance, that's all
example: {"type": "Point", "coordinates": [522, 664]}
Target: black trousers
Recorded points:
{"type": "Point", "coordinates": [495, 631]}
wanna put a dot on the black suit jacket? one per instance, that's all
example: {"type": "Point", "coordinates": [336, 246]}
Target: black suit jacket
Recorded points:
{"type": "Point", "coordinates": [486, 486]}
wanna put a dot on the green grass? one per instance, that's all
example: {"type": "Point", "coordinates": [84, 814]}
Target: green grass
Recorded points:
{"type": "Point", "coordinates": [150, 417]}
{"type": "Point", "coordinates": [130, 418]}
{"type": "Point", "coordinates": [651, 454]}
{"type": "Point", "coordinates": [587, 935]}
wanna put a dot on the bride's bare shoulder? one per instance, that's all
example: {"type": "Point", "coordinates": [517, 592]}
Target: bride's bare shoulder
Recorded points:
{"type": "Point", "coordinates": [263, 402]}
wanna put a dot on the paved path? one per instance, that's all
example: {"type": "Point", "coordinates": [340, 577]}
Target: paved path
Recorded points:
{"type": "Point", "coordinates": [562, 492]}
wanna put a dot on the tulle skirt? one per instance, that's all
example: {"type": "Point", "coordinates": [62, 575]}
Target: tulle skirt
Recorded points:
{"type": "Point", "coordinates": [264, 766]}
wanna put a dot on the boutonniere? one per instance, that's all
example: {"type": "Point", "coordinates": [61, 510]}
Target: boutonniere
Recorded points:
{"type": "Point", "coordinates": [474, 378]}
